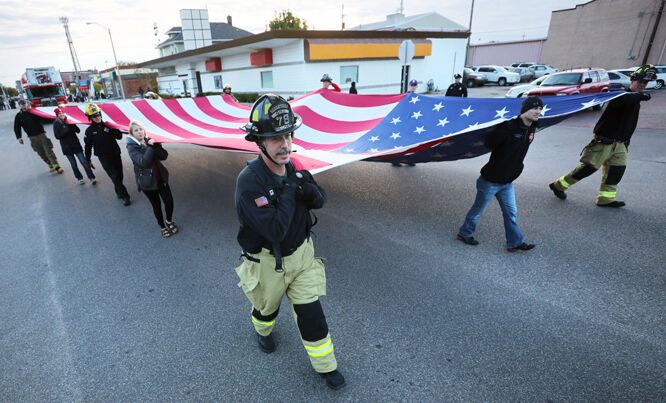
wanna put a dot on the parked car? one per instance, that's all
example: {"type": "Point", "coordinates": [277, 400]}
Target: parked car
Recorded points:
{"type": "Point", "coordinates": [522, 64]}
{"type": "Point", "coordinates": [524, 73]}
{"type": "Point", "coordinates": [574, 82]}
{"type": "Point", "coordinates": [472, 78]}
{"type": "Point", "coordinates": [542, 70]}
{"type": "Point", "coordinates": [661, 77]}
{"type": "Point", "coordinates": [521, 90]}
{"type": "Point", "coordinates": [651, 85]}
{"type": "Point", "coordinates": [498, 74]}
{"type": "Point", "coordinates": [618, 80]}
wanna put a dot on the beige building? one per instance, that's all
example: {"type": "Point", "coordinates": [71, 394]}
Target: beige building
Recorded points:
{"type": "Point", "coordinates": [607, 33]}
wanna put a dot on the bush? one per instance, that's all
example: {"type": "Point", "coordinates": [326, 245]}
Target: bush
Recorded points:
{"type": "Point", "coordinates": [246, 97]}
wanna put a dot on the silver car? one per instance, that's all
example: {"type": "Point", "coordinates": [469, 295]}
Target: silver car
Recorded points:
{"type": "Point", "coordinates": [521, 90]}
{"type": "Point", "coordinates": [618, 81]}
{"type": "Point", "coordinates": [542, 70]}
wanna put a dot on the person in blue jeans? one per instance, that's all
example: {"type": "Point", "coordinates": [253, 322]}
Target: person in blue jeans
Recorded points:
{"type": "Point", "coordinates": [508, 142]}
{"type": "Point", "coordinates": [71, 147]}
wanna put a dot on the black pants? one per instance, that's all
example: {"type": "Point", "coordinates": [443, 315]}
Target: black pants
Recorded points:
{"type": "Point", "coordinates": [113, 166]}
{"type": "Point", "coordinates": [163, 191]}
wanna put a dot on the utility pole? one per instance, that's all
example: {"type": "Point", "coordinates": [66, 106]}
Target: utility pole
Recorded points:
{"type": "Point", "coordinates": [113, 48]}
{"type": "Point", "coordinates": [72, 51]}
{"type": "Point", "coordinates": [471, 14]}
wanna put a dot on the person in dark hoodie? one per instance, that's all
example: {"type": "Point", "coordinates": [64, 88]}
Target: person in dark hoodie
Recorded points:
{"type": "Point", "coordinates": [104, 140]}
{"type": "Point", "coordinates": [70, 145]}
{"type": "Point", "coordinates": [152, 177]}
{"type": "Point", "coordinates": [509, 142]}
{"type": "Point", "coordinates": [40, 143]}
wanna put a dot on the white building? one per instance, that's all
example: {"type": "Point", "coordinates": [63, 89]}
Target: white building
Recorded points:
{"type": "Point", "coordinates": [291, 63]}
{"type": "Point", "coordinates": [420, 22]}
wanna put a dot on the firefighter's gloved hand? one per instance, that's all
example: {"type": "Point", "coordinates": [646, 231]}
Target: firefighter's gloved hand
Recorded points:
{"type": "Point", "coordinates": [307, 176]}
{"type": "Point", "coordinates": [307, 192]}
{"type": "Point", "coordinates": [646, 96]}
{"type": "Point", "coordinates": [294, 180]}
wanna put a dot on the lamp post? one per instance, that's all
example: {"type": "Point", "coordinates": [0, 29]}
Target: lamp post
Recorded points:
{"type": "Point", "coordinates": [120, 80]}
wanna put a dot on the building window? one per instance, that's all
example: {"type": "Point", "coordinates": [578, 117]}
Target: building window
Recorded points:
{"type": "Point", "coordinates": [348, 74]}
{"type": "Point", "coordinates": [266, 79]}
{"type": "Point", "coordinates": [217, 79]}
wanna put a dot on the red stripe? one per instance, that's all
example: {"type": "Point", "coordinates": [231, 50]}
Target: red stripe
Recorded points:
{"type": "Point", "coordinates": [316, 146]}
{"type": "Point", "coordinates": [204, 104]}
{"type": "Point", "coordinates": [228, 99]}
{"type": "Point", "coordinates": [359, 101]}
{"type": "Point", "coordinates": [303, 162]}
{"type": "Point", "coordinates": [327, 125]}
{"type": "Point", "coordinates": [177, 109]}
{"type": "Point", "coordinates": [160, 121]}
{"type": "Point", "coordinates": [77, 114]}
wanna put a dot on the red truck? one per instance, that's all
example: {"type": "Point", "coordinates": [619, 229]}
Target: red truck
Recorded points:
{"type": "Point", "coordinates": [43, 86]}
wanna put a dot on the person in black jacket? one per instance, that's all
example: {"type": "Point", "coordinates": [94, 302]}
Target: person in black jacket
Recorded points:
{"type": "Point", "coordinates": [105, 142]}
{"type": "Point", "coordinates": [152, 177]}
{"type": "Point", "coordinates": [608, 148]}
{"type": "Point", "coordinates": [70, 145]}
{"type": "Point", "coordinates": [273, 202]}
{"type": "Point", "coordinates": [352, 89]}
{"type": "Point", "coordinates": [457, 89]}
{"type": "Point", "coordinates": [509, 142]}
{"type": "Point", "coordinates": [33, 127]}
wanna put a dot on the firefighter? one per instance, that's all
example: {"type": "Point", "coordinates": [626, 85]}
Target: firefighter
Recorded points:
{"type": "Point", "coordinates": [608, 148]}
{"type": "Point", "coordinates": [33, 127]}
{"type": "Point", "coordinates": [105, 142]}
{"type": "Point", "coordinates": [457, 89]}
{"type": "Point", "coordinates": [227, 91]}
{"type": "Point", "coordinates": [327, 81]}
{"type": "Point", "coordinates": [273, 203]}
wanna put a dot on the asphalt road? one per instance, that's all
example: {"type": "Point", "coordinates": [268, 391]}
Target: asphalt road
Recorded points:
{"type": "Point", "coordinates": [96, 306]}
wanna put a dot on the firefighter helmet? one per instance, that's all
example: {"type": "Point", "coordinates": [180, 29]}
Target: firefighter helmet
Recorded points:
{"type": "Point", "coordinates": [271, 115]}
{"type": "Point", "coordinates": [92, 109]}
{"type": "Point", "coordinates": [227, 85]}
{"type": "Point", "coordinates": [646, 72]}
{"type": "Point", "coordinates": [326, 77]}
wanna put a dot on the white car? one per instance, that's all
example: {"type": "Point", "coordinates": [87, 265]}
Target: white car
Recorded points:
{"type": "Point", "coordinates": [542, 70]}
{"type": "Point", "coordinates": [498, 74]}
{"type": "Point", "coordinates": [521, 90]}
{"type": "Point", "coordinates": [661, 76]}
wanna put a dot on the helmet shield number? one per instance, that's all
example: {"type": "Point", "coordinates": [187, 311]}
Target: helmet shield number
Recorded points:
{"type": "Point", "coordinates": [280, 117]}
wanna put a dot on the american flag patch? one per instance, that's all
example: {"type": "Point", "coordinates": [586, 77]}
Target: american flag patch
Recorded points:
{"type": "Point", "coordinates": [261, 201]}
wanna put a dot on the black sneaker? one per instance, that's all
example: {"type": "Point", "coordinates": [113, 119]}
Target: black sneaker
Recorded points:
{"type": "Point", "coordinates": [613, 204]}
{"type": "Point", "coordinates": [522, 246]}
{"type": "Point", "coordinates": [266, 343]}
{"type": "Point", "coordinates": [395, 164]}
{"type": "Point", "coordinates": [334, 379]}
{"type": "Point", "coordinates": [468, 241]}
{"type": "Point", "coordinates": [558, 193]}
{"type": "Point", "coordinates": [126, 201]}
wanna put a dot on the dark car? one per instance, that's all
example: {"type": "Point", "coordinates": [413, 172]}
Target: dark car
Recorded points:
{"type": "Point", "coordinates": [473, 79]}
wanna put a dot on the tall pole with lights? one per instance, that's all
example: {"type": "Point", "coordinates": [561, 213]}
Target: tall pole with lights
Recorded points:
{"type": "Point", "coordinates": [120, 80]}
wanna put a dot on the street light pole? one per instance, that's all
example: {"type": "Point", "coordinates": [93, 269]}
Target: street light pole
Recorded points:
{"type": "Point", "coordinates": [120, 80]}
{"type": "Point", "coordinates": [471, 13]}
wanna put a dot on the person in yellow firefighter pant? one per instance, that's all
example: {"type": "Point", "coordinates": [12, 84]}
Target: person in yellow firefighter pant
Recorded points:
{"type": "Point", "coordinates": [612, 157]}
{"type": "Point", "coordinates": [303, 279]}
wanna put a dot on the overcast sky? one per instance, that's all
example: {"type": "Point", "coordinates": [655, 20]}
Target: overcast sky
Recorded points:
{"type": "Point", "coordinates": [31, 34]}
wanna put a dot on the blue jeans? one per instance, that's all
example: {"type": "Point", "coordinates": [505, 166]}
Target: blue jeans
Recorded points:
{"type": "Point", "coordinates": [507, 200]}
{"type": "Point", "coordinates": [75, 168]}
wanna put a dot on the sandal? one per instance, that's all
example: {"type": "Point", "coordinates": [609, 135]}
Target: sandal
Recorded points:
{"type": "Point", "coordinates": [172, 226]}
{"type": "Point", "coordinates": [166, 233]}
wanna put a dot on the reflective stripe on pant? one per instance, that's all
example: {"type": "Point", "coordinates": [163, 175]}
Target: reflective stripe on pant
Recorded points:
{"type": "Point", "coordinates": [303, 280]}
{"type": "Point", "coordinates": [43, 146]}
{"type": "Point", "coordinates": [593, 158]}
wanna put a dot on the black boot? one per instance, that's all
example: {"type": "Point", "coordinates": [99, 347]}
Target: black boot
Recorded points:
{"type": "Point", "coordinates": [334, 379]}
{"type": "Point", "coordinates": [613, 204]}
{"type": "Point", "coordinates": [266, 343]}
{"type": "Point", "coordinates": [558, 193]}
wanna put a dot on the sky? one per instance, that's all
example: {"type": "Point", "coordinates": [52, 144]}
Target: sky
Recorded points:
{"type": "Point", "coordinates": [31, 34]}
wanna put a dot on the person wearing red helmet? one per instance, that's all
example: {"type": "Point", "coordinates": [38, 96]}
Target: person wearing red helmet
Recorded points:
{"type": "Point", "coordinates": [70, 145]}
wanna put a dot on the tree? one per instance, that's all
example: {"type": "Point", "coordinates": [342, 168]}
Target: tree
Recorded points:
{"type": "Point", "coordinates": [285, 20]}
{"type": "Point", "coordinates": [11, 91]}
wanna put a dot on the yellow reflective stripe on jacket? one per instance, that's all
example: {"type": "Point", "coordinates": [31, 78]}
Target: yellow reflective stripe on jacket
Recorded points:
{"type": "Point", "coordinates": [320, 351]}
{"type": "Point", "coordinates": [262, 323]}
{"type": "Point", "coordinates": [607, 194]}
{"type": "Point", "coordinates": [564, 183]}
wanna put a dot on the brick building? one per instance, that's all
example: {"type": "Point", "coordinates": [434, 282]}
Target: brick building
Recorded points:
{"type": "Point", "coordinates": [132, 78]}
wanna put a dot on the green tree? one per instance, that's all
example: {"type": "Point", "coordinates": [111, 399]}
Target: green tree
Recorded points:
{"type": "Point", "coordinates": [285, 20]}
{"type": "Point", "coordinates": [10, 91]}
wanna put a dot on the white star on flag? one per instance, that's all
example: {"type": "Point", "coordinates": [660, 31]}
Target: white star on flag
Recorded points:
{"type": "Point", "coordinates": [501, 113]}
{"type": "Point", "coordinates": [395, 136]}
{"type": "Point", "coordinates": [417, 115]}
{"type": "Point", "coordinates": [419, 130]}
{"type": "Point", "coordinates": [467, 111]}
{"type": "Point", "coordinates": [474, 126]}
{"type": "Point", "coordinates": [443, 122]}
{"type": "Point", "coordinates": [544, 110]}
{"type": "Point", "coordinates": [437, 107]}
{"type": "Point", "coordinates": [374, 138]}
{"type": "Point", "coordinates": [395, 121]}
{"type": "Point", "coordinates": [414, 100]}
{"type": "Point", "coordinates": [374, 150]}
{"type": "Point", "coordinates": [589, 104]}
{"type": "Point", "coordinates": [349, 150]}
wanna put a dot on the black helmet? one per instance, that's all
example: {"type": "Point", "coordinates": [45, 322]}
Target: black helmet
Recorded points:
{"type": "Point", "coordinates": [270, 116]}
{"type": "Point", "coordinates": [646, 72]}
{"type": "Point", "coordinates": [326, 77]}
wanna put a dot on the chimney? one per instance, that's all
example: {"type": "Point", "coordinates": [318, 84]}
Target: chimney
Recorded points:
{"type": "Point", "coordinates": [229, 20]}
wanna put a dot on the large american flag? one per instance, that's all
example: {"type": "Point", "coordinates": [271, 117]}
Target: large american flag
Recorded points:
{"type": "Point", "coordinates": [339, 128]}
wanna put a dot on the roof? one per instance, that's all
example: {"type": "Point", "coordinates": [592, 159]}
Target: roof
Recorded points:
{"type": "Point", "coordinates": [270, 39]}
{"type": "Point", "coordinates": [219, 31]}
{"type": "Point", "coordinates": [397, 21]}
